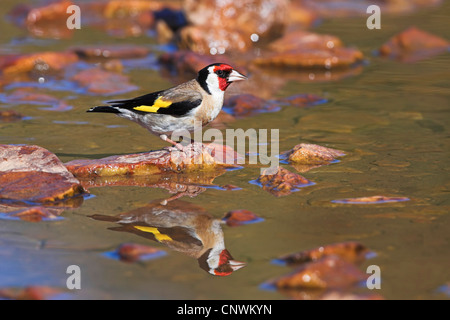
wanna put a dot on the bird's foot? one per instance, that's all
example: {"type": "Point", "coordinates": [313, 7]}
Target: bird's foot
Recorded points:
{"type": "Point", "coordinates": [177, 145]}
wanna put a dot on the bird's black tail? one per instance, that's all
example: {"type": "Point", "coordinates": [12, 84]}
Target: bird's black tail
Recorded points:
{"type": "Point", "coordinates": [107, 109]}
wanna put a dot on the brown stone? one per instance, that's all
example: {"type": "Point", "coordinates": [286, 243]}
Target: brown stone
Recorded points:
{"type": "Point", "coordinates": [50, 21]}
{"type": "Point", "coordinates": [10, 115]}
{"type": "Point", "coordinates": [327, 272]}
{"type": "Point", "coordinates": [99, 81]}
{"type": "Point", "coordinates": [195, 157]}
{"type": "Point", "coordinates": [111, 51]}
{"type": "Point", "coordinates": [350, 251]}
{"type": "Point", "coordinates": [30, 293]}
{"type": "Point", "coordinates": [371, 200]}
{"type": "Point", "coordinates": [282, 182]}
{"type": "Point", "coordinates": [414, 44]}
{"type": "Point", "coordinates": [312, 154]}
{"type": "Point", "coordinates": [133, 252]}
{"type": "Point", "coordinates": [33, 174]}
{"type": "Point", "coordinates": [240, 217]}
{"type": "Point", "coordinates": [244, 105]}
{"type": "Point", "coordinates": [312, 58]}
{"type": "Point", "coordinates": [54, 61]}
{"type": "Point", "coordinates": [266, 18]}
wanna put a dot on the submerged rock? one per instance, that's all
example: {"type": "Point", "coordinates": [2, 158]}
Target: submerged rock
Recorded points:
{"type": "Point", "coordinates": [30, 293]}
{"type": "Point", "coordinates": [413, 45]}
{"type": "Point", "coordinates": [33, 96]}
{"type": "Point", "coordinates": [324, 273]}
{"type": "Point", "coordinates": [50, 21]}
{"type": "Point", "coordinates": [98, 81]}
{"type": "Point", "coordinates": [188, 184]}
{"type": "Point", "coordinates": [111, 51]}
{"type": "Point", "coordinates": [240, 217]}
{"type": "Point", "coordinates": [10, 211]}
{"type": "Point", "coordinates": [371, 200]}
{"type": "Point", "coordinates": [282, 182]}
{"type": "Point", "coordinates": [312, 58]}
{"type": "Point", "coordinates": [134, 252]}
{"type": "Point", "coordinates": [328, 272]}
{"type": "Point", "coordinates": [350, 8]}
{"type": "Point", "coordinates": [350, 251]}
{"type": "Point", "coordinates": [308, 50]}
{"type": "Point", "coordinates": [244, 105]}
{"type": "Point", "coordinates": [41, 62]}
{"type": "Point", "coordinates": [10, 116]}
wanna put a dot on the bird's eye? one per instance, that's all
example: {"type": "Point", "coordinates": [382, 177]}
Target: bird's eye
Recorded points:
{"type": "Point", "coordinates": [220, 73]}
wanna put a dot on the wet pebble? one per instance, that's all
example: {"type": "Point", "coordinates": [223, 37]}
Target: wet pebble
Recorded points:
{"type": "Point", "coordinates": [240, 217]}
{"type": "Point", "coordinates": [281, 182]}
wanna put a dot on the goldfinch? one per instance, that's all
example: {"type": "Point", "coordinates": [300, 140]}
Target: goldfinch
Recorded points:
{"type": "Point", "coordinates": [177, 109]}
{"type": "Point", "coordinates": [183, 227]}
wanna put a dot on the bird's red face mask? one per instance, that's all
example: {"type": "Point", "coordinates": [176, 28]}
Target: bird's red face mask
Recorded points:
{"type": "Point", "coordinates": [227, 265]}
{"type": "Point", "coordinates": [226, 75]}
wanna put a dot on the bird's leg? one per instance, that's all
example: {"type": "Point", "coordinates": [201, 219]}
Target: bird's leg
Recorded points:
{"type": "Point", "coordinates": [176, 144]}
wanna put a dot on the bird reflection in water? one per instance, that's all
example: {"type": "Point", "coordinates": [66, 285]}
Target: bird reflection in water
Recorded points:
{"type": "Point", "coordinates": [184, 227]}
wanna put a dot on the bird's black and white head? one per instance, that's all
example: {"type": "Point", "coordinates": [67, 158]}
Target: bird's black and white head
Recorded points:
{"type": "Point", "coordinates": [219, 262]}
{"type": "Point", "coordinates": [216, 77]}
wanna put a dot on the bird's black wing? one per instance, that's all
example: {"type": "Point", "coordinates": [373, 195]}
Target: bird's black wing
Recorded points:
{"type": "Point", "coordinates": [176, 101]}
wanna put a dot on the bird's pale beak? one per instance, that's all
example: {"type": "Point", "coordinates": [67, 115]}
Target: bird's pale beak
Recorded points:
{"type": "Point", "coordinates": [236, 76]}
{"type": "Point", "coordinates": [236, 265]}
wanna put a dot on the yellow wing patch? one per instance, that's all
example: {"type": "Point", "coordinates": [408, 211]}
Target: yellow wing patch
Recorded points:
{"type": "Point", "coordinates": [158, 235]}
{"type": "Point", "coordinates": [159, 103]}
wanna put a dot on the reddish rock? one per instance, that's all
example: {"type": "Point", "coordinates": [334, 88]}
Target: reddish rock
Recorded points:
{"type": "Point", "coordinates": [188, 184]}
{"type": "Point", "coordinates": [30, 293]}
{"type": "Point", "coordinates": [312, 154]}
{"type": "Point", "coordinates": [131, 8]}
{"type": "Point", "coordinates": [282, 182]}
{"type": "Point", "coordinates": [301, 17]}
{"type": "Point", "coordinates": [42, 61]}
{"type": "Point", "coordinates": [195, 157]}
{"type": "Point", "coordinates": [353, 252]}
{"type": "Point", "coordinates": [118, 18]}
{"type": "Point", "coordinates": [228, 26]}
{"type": "Point", "coordinates": [50, 21]}
{"type": "Point", "coordinates": [10, 116]}
{"type": "Point", "coordinates": [327, 272]}
{"type": "Point", "coordinates": [350, 8]}
{"type": "Point", "coordinates": [302, 39]}
{"type": "Point", "coordinates": [244, 105]}
{"type": "Point", "coordinates": [31, 214]}
{"type": "Point", "coordinates": [312, 58]}
{"type": "Point", "coordinates": [240, 217]}
{"type": "Point", "coordinates": [111, 51]}
{"type": "Point", "coordinates": [414, 44]}
{"type": "Point", "coordinates": [33, 174]}
{"type": "Point", "coordinates": [133, 252]}
{"type": "Point", "coordinates": [371, 200]}
{"type": "Point", "coordinates": [338, 295]}
{"type": "Point", "coordinates": [98, 81]}
{"type": "Point", "coordinates": [308, 50]}
{"type": "Point", "coordinates": [213, 40]}
{"type": "Point", "coordinates": [32, 96]}
{"type": "Point", "coordinates": [303, 100]}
